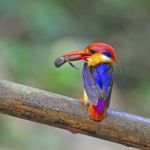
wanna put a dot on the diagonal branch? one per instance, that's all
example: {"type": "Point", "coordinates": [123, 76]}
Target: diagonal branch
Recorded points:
{"type": "Point", "coordinates": [67, 113]}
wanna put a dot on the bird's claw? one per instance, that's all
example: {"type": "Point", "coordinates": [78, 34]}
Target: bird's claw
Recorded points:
{"type": "Point", "coordinates": [84, 103]}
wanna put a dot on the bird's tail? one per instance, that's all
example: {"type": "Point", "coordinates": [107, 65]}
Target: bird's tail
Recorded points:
{"type": "Point", "coordinates": [98, 112]}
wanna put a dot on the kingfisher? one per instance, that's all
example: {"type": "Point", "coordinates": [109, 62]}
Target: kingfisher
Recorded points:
{"type": "Point", "coordinates": [97, 76]}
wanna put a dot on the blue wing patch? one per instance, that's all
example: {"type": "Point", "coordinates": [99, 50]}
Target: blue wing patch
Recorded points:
{"type": "Point", "coordinates": [98, 82]}
{"type": "Point", "coordinates": [103, 76]}
{"type": "Point", "coordinates": [91, 87]}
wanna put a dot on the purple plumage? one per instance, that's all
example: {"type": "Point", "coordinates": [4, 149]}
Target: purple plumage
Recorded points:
{"type": "Point", "coordinates": [100, 106]}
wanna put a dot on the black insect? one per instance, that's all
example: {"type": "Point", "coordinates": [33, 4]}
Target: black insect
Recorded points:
{"type": "Point", "coordinates": [63, 59]}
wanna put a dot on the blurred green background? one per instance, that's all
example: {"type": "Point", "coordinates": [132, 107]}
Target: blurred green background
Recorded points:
{"type": "Point", "coordinates": [33, 33]}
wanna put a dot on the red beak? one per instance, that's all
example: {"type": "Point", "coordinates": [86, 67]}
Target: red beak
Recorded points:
{"type": "Point", "coordinates": [72, 56]}
{"type": "Point", "coordinates": [77, 55]}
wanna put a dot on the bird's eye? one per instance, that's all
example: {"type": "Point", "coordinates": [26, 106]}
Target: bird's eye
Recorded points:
{"type": "Point", "coordinates": [91, 51]}
{"type": "Point", "coordinates": [108, 54]}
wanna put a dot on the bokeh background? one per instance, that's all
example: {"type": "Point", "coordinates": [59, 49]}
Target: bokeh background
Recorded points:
{"type": "Point", "coordinates": [33, 33]}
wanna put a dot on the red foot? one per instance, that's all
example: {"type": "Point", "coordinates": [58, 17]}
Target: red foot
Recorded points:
{"type": "Point", "coordinates": [84, 103]}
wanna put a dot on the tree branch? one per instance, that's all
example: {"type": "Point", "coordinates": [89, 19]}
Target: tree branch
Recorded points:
{"type": "Point", "coordinates": [67, 113]}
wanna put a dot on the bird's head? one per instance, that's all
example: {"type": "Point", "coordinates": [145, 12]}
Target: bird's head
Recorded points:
{"type": "Point", "coordinates": [94, 54]}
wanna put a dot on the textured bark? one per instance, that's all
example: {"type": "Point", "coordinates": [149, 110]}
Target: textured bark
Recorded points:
{"type": "Point", "coordinates": [67, 113]}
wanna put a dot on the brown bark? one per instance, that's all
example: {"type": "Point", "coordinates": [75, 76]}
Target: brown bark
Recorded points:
{"type": "Point", "coordinates": [67, 113]}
